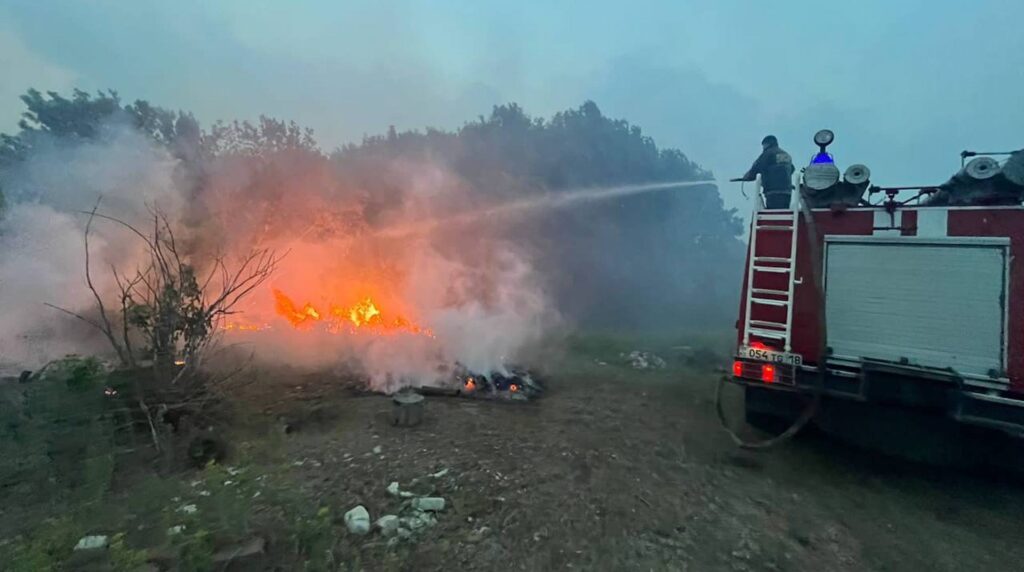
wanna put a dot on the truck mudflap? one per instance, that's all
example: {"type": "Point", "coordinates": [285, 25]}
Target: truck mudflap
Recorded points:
{"type": "Point", "coordinates": [939, 391]}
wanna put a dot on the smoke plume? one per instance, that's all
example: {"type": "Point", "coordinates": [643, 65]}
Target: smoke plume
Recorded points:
{"type": "Point", "coordinates": [402, 310]}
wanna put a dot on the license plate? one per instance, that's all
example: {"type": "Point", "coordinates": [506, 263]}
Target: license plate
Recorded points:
{"type": "Point", "coordinates": [770, 356]}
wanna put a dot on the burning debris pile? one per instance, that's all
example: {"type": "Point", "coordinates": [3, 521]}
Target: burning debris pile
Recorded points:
{"type": "Point", "coordinates": [516, 385]}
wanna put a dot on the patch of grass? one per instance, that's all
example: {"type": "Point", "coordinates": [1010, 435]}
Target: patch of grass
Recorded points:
{"type": "Point", "coordinates": [600, 353]}
{"type": "Point", "coordinates": [44, 548]}
{"type": "Point", "coordinates": [123, 558]}
{"type": "Point", "coordinates": [187, 517]}
{"type": "Point", "coordinates": [57, 440]}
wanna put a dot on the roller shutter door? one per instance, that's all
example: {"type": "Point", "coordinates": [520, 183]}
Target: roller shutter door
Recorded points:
{"type": "Point", "coordinates": [933, 302]}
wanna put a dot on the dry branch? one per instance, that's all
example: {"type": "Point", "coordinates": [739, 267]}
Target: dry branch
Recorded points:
{"type": "Point", "coordinates": [165, 304]}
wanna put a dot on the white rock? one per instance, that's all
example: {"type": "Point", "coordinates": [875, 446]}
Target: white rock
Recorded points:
{"type": "Point", "coordinates": [176, 530]}
{"type": "Point", "coordinates": [413, 523]}
{"type": "Point", "coordinates": [428, 504]}
{"type": "Point", "coordinates": [377, 450]}
{"type": "Point", "coordinates": [439, 474]}
{"type": "Point", "coordinates": [358, 520]}
{"type": "Point", "coordinates": [644, 360]}
{"type": "Point", "coordinates": [393, 489]}
{"type": "Point", "coordinates": [188, 509]}
{"type": "Point", "coordinates": [91, 542]}
{"type": "Point", "coordinates": [427, 518]}
{"type": "Point", "coordinates": [388, 524]}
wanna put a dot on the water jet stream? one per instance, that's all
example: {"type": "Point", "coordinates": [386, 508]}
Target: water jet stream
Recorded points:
{"type": "Point", "coordinates": [557, 199]}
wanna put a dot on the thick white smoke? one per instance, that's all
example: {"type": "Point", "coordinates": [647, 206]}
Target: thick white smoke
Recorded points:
{"type": "Point", "coordinates": [42, 237]}
{"type": "Point", "coordinates": [476, 299]}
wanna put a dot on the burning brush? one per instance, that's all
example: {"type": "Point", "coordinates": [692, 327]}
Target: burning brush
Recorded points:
{"type": "Point", "coordinates": [517, 385]}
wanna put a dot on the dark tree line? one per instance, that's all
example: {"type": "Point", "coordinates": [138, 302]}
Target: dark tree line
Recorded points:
{"type": "Point", "coordinates": [666, 260]}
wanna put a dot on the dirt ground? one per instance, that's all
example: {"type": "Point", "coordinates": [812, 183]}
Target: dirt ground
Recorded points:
{"type": "Point", "coordinates": [619, 469]}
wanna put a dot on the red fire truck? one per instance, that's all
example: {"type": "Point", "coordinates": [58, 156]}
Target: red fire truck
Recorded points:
{"type": "Point", "coordinates": [892, 298]}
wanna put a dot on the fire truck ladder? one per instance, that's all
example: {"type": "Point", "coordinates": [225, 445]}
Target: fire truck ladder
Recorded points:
{"type": "Point", "coordinates": [771, 221]}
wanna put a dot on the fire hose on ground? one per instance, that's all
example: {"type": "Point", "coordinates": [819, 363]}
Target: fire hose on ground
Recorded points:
{"type": "Point", "coordinates": [811, 408]}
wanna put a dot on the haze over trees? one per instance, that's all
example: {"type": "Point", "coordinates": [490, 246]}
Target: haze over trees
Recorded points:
{"type": "Point", "coordinates": [668, 260]}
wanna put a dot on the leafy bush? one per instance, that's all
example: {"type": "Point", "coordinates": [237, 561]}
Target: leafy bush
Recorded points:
{"type": "Point", "coordinates": [46, 548]}
{"type": "Point", "coordinates": [58, 441]}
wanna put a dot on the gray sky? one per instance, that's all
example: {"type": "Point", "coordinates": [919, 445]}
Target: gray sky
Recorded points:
{"type": "Point", "coordinates": [905, 84]}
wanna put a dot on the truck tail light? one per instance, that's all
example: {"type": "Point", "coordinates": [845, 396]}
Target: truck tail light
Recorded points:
{"type": "Point", "coordinates": [737, 369]}
{"type": "Point", "coordinates": [768, 373]}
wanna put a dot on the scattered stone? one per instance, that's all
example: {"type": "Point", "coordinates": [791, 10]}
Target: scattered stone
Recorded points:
{"type": "Point", "coordinates": [643, 360]}
{"type": "Point", "coordinates": [174, 530]}
{"type": "Point", "coordinates": [388, 524]}
{"type": "Point", "coordinates": [188, 509]}
{"type": "Point", "coordinates": [91, 542]}
{"type": "Point", "coordinates": [377, 450]}
{"type": "Point", "coordinates": [427, 519]}
{"type": "Point", "coordinates": [439, 474]}
{"type": "Point", "coordinates": [393, 489]}
{"type": "Point", "coordinates": [416, 521]}
{"type": "Point", "coordinates": [358, 520]}
{"type": "Point", "coordinates": [428, 504]}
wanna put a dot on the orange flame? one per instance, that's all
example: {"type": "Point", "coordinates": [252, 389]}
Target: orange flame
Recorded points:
{"type": "Point", "coordinates": [364, 313]}
{"type": "Point", "coordinates": [513, 388]}
{"type": "Point", "coordinates": [362, 316]}
{"type": "Point", "coordinates": [285, 307]}
{"type": "Point", "coordinates": [470, 384]}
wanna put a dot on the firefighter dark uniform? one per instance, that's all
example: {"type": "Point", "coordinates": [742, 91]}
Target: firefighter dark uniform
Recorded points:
{"type": "Point", "coordinates": [776, 169]}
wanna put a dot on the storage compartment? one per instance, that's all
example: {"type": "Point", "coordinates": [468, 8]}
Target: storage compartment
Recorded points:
{"type": "Point", "coordinates": [929, 302]}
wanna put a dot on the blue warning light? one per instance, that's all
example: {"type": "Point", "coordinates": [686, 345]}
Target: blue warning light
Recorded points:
{"type": "Point", "coordinates": [822, 157]}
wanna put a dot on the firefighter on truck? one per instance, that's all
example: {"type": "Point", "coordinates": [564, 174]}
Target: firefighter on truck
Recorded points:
{"type": "Point", "coordinates": [776, 169]}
